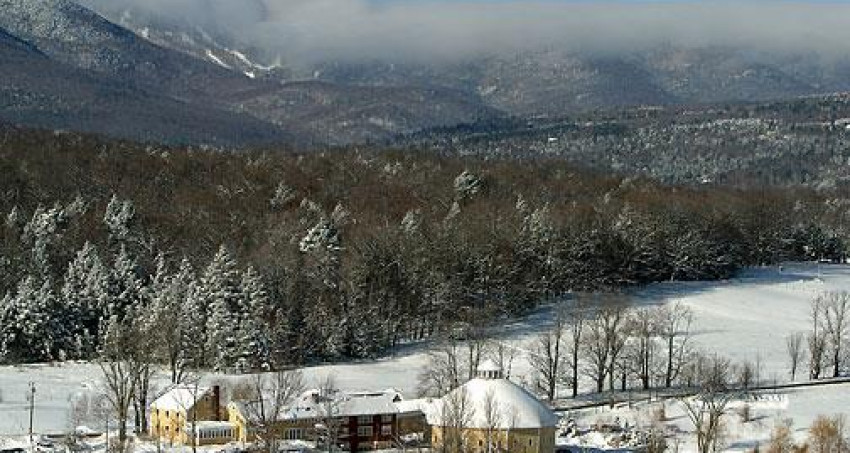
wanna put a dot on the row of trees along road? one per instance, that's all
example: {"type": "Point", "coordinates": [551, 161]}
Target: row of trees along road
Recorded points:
{"type": "Point", "coordinates": [600, 337]}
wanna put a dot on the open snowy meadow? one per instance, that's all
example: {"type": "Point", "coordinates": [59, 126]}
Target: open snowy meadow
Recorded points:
{"type": "Point", "coordinates": [742, 318]}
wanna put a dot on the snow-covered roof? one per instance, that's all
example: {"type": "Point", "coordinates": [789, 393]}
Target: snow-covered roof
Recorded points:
{"type": "Point", "coordinates": [352, 406]}
{"type": "Point", "coordinates": [311, 405]}
{"type": "Point", "coordinates": [422, 405]}
{"type": "Point", "coordinates": [489, 366]}
{"type": "Point", "coordinates": [180, 398]}
{"type": "Point", "coordinates": [205, 426]}
{"type": "Point", "coordinates": [516, 407]}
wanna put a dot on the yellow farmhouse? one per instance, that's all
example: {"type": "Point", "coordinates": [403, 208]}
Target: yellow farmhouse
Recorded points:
{"type": "Point", "coordinates": [184, 412]}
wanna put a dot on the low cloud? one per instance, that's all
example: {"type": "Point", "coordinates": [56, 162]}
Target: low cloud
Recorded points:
{"type": "Point", "coordinates": [313, 30]}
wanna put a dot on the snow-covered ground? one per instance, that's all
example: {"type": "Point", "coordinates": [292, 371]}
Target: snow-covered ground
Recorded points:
{"type": "Point", "coordinates": [751, 315]}
{"type": "Point", "coordinates": [740, 318]}
{"type": "Point", "coordinates": [768, 409]}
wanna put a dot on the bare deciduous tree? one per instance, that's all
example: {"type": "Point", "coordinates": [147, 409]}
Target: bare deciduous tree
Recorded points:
{"type": "Point", "coordinates": [836, 314]}
{"type": "Point", "coordinates": [272, 396]}
{"type": "Point", "coordinates": [746, 374]}
{"type": "Point", "coordinates": [706, 409]}
{"type": "Point", "coordinates": [493, 438]}
{"type": "Point", "coordinates": [828, 435]}
{"type": "Point", "coordinates": [816, 340]}
{"type": "Point", "coordinates": [603, 340]}
{"type": "Point", "coordinates": [329, 407]}
{"type": "Point", "coordinates": [192, 383]}
{"type": "Point", "coordinates": [456, 414]}
{"type": "Point", "coordinates": [144, 330]}
{"type": "Point", "coordinates": [782, 439]}
{"type": "Point", "coordinates": [794, 348]}
{"type": "Point", "coordinates": [674, 327]}
{"type": "Point", "coordinates": [546, 359]}
{"type": "Point", "coordinates": [119, 371]}
{"type": "Point", "coordinates": [643, 327]}
{"type": "Point", "coordinates": [503, 354]}
{"type": "Point", "coordinates": [444, 369]}
{"type": "Point", "coordinates": [574, 326]}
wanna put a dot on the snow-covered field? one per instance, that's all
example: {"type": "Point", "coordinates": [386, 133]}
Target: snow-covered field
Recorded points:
{"type": "Point", "coordinates": [768, 409]}
{"type": "Point", "coordinates": [751, 315]}
{"type": "Point", "coordinates": [739, 318]}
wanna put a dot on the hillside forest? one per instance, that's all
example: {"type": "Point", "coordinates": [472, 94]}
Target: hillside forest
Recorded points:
{"type": "Point", "coordinates": [268, 258]}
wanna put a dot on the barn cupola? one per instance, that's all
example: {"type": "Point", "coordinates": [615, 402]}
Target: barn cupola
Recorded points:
{"type": "Point", "coordinates": [489, 370]}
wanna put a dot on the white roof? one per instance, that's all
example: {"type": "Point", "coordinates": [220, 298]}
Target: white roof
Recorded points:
{"type": "Point", "coordinates": [418, 405]}
{"type": "Point", "coordinates": [310, 406]}
{"type": "Point", "coordinates": [179, 398]}
{"type": "Point", "coordinates": [352, 406]}
{"type": "Point", "coordinates": [202, 426]}
{"type": "Point", "coordinates": [489, 366]}
{"type": "Point", "coordinates": [516, 408]}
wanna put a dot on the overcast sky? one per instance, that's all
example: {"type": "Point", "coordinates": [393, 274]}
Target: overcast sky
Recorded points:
{"type": "Point", "coordinates": [447, 29]}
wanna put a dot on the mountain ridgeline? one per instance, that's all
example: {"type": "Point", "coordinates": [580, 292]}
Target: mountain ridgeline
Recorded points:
{"type": "Point", "coordinates": [158, 79]}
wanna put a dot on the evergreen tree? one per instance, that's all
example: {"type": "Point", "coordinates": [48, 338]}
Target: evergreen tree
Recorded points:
{"type": "Point", "coordinates": [84, 297]}
{"type": "Point", "coordinates": [124, 287]}
{"type": "Point", "coordinates": [31, 326]}
{"type": "Point", "coordinates": [43, 230]}
{"type": "Point", "coordinates": [220, 289]}
{"type": "Point", "coordinates": [253, 332]}
{"type": "Point", "coordinates": [194, 317]}
{"type": "Point", "coordinates": [118, 218]}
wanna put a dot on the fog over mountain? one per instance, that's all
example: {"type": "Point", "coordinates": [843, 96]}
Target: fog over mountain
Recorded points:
{"type": "Point", "coordinates": [315, 30]}
{"type": "Point", "coordinates": [372, 71]}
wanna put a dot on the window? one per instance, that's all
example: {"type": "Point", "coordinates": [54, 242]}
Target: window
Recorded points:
{"type": "Point", "coordinates": [386, 418]}
{"type": "Point", "coordinates": [293, 434]}
{"type": "Point", "coordinates": [387, 430]}
{"type": "Point", "coordinates": [364, 431]}
{"type": "Point", "coordinates": [364, 420]}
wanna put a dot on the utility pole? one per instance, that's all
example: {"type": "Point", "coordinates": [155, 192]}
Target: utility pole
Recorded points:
{"type": "Point", "coordinates": [31, 398]}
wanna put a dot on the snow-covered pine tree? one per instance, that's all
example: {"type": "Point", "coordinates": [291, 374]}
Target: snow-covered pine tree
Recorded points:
{"type": "Point", "coordinates": [83, 299]}
{"type": "Point", "coordinates": [283, 195]}
{"type": "Point", "coordinates": [363, 330]}
{"type": "Point", "coordinates": [13, 219]}
{"type": "Point", "coordinates": [31, 328]}
{"type": "Point", "coordinates": [412, 222]}
{"type": "Point", "coordinates": [124, 287]}
{"type": "Point", "coordinates": [322, 245]}
{"type": "Point", "coordinates": [44, 228]}
{"type": "Point", "coordinates": [467, 185]}
{"type": "Point", "coordinates": [221, 291]}
{"type": "Point", "coordinates": [11, 252]}
{"type": "Point", "coordinates": [171, 310]}
{"type": "Point", "coordinates": [253, 331]}
{"type": "Point", "coordinates": [194, 317]}
{"type": "Point", "coordinates": [118, 218]}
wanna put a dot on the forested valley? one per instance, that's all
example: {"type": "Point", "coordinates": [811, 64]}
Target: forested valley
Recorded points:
{"type": "Point", "coordinates": [267, 258]}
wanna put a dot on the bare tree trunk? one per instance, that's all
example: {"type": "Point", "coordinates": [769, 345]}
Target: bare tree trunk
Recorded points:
{"type": "Point", "coordinates": [794, 347]}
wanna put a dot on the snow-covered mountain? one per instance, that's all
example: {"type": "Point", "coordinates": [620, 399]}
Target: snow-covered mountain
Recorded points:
{"type": "Point", "coordinates": [203, 44]}
{"type": "Point", "coordinates": [195, 93]}
{"type": "Point", "coordinates": [208, 74]}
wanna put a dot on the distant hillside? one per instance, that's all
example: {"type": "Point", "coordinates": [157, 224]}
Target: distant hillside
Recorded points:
{"type": "Point", "coordinates": [70, 68]}
{"type": "Point", "coordinates": [802, 141]}
{"type": "Point", "coordinates": [533, 83]}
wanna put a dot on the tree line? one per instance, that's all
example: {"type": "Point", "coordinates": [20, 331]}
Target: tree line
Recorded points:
{"type": "Point", "coordinates": [280, 258]}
